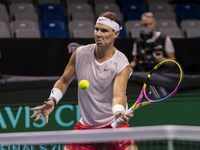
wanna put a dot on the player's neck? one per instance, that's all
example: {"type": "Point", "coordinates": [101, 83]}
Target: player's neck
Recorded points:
{"type": "Point", "coordinates": [103, 54]}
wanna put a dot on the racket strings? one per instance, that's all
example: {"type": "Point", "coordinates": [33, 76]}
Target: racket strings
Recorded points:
{"type": "Point", "coordinates": [163, 81]}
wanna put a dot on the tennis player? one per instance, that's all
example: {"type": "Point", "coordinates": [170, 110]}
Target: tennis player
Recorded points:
{"type": "Point", "coordinates": [107, 70]}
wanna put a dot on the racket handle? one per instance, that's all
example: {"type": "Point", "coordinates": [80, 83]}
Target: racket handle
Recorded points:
{"type": "Point", "coordinates": [130, 111]}
{"type": "Point", "coordinates": [117, 122]}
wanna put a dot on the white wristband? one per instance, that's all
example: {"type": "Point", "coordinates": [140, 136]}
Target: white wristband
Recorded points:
{"type": "Point", "coordinates": [57, 94]}
{"type": "Point", "coordinates": [117, 107]}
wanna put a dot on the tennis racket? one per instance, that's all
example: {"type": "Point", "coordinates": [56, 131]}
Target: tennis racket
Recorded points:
{"type": "Point", "coordinates": [161, 83]}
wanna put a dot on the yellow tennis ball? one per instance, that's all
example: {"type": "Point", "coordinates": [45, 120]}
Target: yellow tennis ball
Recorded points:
{"type": "Point", "coordinates": [84, 84]}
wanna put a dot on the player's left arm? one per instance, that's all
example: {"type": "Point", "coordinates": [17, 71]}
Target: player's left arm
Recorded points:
{"type": "Point", "coordinates": [119, 100]}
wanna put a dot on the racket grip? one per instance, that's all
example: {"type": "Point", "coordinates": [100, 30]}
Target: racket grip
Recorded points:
{"type": "Point", "coordinates": [117, 122]}
{"type": "Point", "coordinates": [130, 111]}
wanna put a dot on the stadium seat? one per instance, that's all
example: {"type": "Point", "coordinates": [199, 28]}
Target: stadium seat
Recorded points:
{"type": "Point", "coordinates": [189, 24]}
{"type": "Point", "coordinates": [33, 16]}
{"type": "Point", "coordinates": [17, 24]}
{"type": "Point", "coordinates": [50, 8]}
{"type": "Point", "coordinates": [193, 32]}
{"type": "Point", "coordinates": [4, 16]}
{"type": "Point", "coordinates": [105, 7]}
{"type": "Point", "coordinates": [79, 24]}
{"type": "Point", "coordinates": [156, 1]}
{"type": "Point", "coordinates": [5, 33]}
{"type": "Point", "coordinates": [134, 15]}
{"type": "Point", "coordinates": [21, 7]}
{"type": "Point", "coordinates": [54, 27]}
{"type": "Point", "coordinates": [127, 8]}
{"type": "Point", "coordinates": [83, 33]}
{"type": "Point", "coordinates": [27, 33]}
{"type": "Point", "coordinates": [166, 23]}
{"type": "Point", "coordinates": [160, 7]}
{"type": "Point", "coordinates": [54, 17]}
{"type": "Point", "coordinates": [4, 25]}
{"type": "Point", "coordinates": [55, 34]}
{"type": "Point", "coordinates": [3, 8]}
{"type": "Point", "coordinates": [135, 33]}
{"type": "Point", "coordinates": [21, 1]}
{"type": "Point", "coordinates": [89, 16]}
{"type": "Point", "coordinates": [120, 3]}
{"type": "Point", "coordinates": [132, 24]}
{"type": "Point", "coordinates": [78, 7]}
{"type": "Point", "coordinates": [76, 1]}
{"type": "Point", "coordinates": [190, 16]}
{"type": "Point", "coordinates": [165, 16]}
{"type": "Point", "coordinates": [4, 30]}
{"type": "Point", "coordinates": [49, 1]}
{"type": "Point", "coordinates": [102, 1]}
{"type": "Point", "coordinates": [2, 2]}
{"type": "Point", "coordinates": [185, 9]}
{"type": "Point", "coordinates": [123, 2]}
{"type": "Point", "coordinates": [172, 32]}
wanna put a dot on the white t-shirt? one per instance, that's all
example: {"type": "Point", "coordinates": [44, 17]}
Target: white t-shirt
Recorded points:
{"type": "Point", "coordinates": [95, 103]}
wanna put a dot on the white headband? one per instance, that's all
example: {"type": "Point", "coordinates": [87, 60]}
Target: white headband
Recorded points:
{"type": "Point", "coordinates": [112, 24]}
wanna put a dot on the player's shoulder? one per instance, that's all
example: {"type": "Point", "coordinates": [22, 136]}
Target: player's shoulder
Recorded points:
{"type": "Point", "coordinates": [121, 61]}
{"type": "Point", "coordinates": [85, 50]}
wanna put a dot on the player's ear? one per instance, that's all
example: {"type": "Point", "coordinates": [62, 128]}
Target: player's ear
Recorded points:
{"type": "Point", "coordinates": [116, 33]}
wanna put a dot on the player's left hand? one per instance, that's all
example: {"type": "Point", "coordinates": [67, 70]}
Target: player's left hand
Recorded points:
{"type": "Point", "coordinates": [124, 117]}
{"type": "Point", "coordinates": [43, 110]}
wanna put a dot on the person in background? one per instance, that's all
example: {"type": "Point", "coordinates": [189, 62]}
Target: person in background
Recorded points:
{"type": "Point", "coordinates": [151, 47]}
{"type": "Point", "coordinates": [107, 70]}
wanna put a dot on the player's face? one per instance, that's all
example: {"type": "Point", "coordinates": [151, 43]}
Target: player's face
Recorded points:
{"type": "Point", "coordinates": [148, 22]}
{"type": "Point", "coordinates": [104, 35]}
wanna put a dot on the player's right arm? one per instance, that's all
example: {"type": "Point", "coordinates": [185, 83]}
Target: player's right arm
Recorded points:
{"type": "Point", "coordinates": [61, 84]}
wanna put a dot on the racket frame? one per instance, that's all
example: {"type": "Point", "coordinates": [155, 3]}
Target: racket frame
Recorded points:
{"type": "Point", "coordinates": [137, 104]}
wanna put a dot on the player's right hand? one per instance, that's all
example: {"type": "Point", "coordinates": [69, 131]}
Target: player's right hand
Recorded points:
{"type": "Point", "coordinates": [43, 110]}
{"type": "Point", "coordinates": [124, 117]}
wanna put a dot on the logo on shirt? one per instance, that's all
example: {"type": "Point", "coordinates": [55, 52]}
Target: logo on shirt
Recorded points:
{"type": "Point", "coordinates": [106, 69]}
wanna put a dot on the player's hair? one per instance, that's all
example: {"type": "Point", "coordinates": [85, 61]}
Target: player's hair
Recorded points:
{"type": "Point", "coordinates": [111, 16]}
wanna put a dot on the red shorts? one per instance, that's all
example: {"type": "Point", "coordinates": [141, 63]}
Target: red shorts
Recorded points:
{"type": "Point", "coordinates": [116, 145]}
